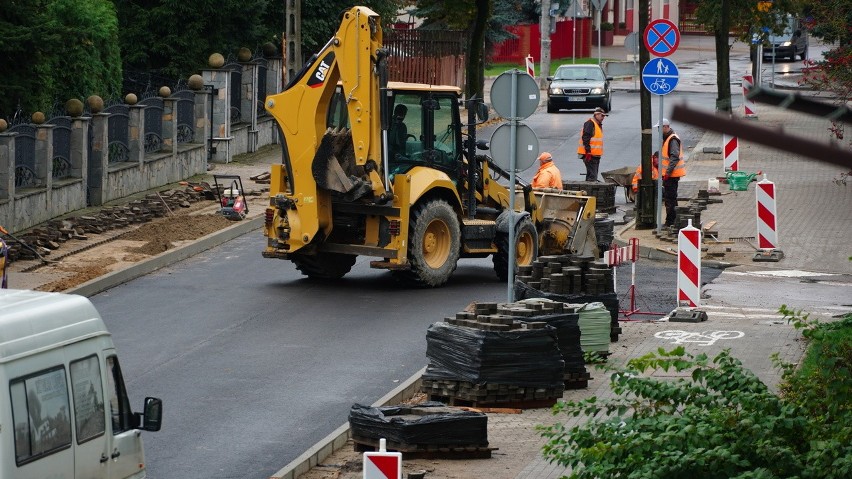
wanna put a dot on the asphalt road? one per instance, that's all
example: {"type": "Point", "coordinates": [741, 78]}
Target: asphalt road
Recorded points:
{"type": "Point", "coordinates": [255, 364]}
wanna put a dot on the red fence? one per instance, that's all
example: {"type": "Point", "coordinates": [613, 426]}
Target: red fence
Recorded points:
{"type": "Point", "coordinates": [528, 42]}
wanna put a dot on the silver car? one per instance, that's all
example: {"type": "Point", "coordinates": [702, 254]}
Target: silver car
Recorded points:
{"type": "Point", "coordinates": [580, 87]}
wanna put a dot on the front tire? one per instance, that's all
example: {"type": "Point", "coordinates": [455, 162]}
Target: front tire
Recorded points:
{"type": "Point", "coordinates": [434, 243]}
{"type": "Point", "coordinates": [324, 265]}
{"type": "Point", "coordinates": [551, 108]}
{"type": "Point", "coordinates": [526, 248]}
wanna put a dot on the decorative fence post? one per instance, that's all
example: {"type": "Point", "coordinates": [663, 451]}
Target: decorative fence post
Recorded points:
{"type": "Point", "coordinates": [99, 159]}
{"type": "Point", "coordinates": [220, 81]}
{"type": "Point", "coordinates": [7, 177]}
{"type": "Point", "coordinates": [170, 131]}
{"type": "Point", "coordinates": [136, 136]}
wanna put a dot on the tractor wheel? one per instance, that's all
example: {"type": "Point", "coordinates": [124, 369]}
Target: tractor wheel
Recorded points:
{"type": "Point", "coordinates": [434, 244]}
{"type": "Point", "coordinates": [324, 265]}
{"type": "Point", "coordinates": [526, 248]}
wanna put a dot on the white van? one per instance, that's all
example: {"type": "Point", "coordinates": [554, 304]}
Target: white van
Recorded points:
{"type": "Point", "coordinates": [64, 411]}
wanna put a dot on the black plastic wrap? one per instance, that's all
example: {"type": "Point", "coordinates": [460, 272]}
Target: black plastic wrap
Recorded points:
{"type": "Point", "coordinates": [521, 357]}
{"type": "Point", "coordinates": [417, 425]}
{"type": "Point", "coordinates": [568, 339]}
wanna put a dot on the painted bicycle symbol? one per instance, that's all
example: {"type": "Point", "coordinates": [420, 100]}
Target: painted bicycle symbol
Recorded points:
{"type": "Point", "coordinates": [704, 338]}
{"type": "Point", "coordinates": [660, 84]}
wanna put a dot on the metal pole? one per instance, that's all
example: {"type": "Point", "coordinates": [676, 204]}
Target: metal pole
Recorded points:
{"type": "Point", "coordinates": [772, 80]}
{"type": "Point", "coordinates": [513, 161]}
{"type": "Point", "coordinates": [574, 34]}
{"type": "Point", "coordinates": [660, 170]}
{"type": "Point", "coordinates": [598, 20]}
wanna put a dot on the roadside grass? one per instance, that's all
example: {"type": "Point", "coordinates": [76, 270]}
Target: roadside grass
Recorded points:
{"type": "Point", "coordinates": [496, 69]}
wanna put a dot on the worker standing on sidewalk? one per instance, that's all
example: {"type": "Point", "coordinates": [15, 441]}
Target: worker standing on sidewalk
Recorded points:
{"type": "Point", "coordinates": [590, 144]}
{"type": "Point", "coordinates": [673, 169]}
{"type": "Point", "coordinates": [548, 175]}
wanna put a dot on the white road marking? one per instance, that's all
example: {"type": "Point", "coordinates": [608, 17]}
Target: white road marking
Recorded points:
{"type": "Point", "coordinates": [705, 338]}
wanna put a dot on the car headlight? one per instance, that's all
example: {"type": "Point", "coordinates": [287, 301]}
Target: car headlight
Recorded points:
{"type": "Point", "coordinates": [597, 91]}
{"type": "Point", "coordinates": [786, 44]}
{"type": "Point", "coordinates": [555, 91]}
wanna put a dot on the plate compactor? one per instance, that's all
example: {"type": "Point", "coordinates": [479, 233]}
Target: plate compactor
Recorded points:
{"type": "Point", "coordinates": [231, 199]}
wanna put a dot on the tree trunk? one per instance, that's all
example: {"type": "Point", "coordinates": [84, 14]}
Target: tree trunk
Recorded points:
{"type": "Point", "coordinates": [723, 66]}
{"type": "Point", "coordinates": [546, 20]}
{"type": "Point", "coordinates": [475, 82]}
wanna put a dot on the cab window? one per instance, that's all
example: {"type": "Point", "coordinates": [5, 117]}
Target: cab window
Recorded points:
{"type": "Point", "coordinates": [87, 388]}
{"type": "Point", "coordinates": [40, 414]}
{"type": "Point", "coordinates": [119, 404]}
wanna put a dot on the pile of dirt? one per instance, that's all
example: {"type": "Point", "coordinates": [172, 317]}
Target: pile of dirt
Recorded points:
{"type": "Point", "coordinates": [160, 234]}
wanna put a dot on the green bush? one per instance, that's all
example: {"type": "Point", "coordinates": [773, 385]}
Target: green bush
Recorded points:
{"type": "Point", "coordinates": [607, 27]}
{"type": "Point", "coordinates": [719, 421]}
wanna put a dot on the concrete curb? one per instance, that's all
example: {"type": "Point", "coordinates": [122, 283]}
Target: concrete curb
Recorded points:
{"type": "Point", "coordinates": [165, 258]}
{"type": "Point", "coordinates": [337, 439]}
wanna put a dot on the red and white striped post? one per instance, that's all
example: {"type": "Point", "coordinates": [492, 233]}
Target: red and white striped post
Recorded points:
{"type": "Point", "coordinates": [767, 218]}
{"type": "Point", "coordinates": [689, 266]}
{"type": "Point", "coordinates": [748, 103]}
{"type": "Point", "coordinates": [530, 66]}
{"type": "Point", "coordinates": [731, 153]}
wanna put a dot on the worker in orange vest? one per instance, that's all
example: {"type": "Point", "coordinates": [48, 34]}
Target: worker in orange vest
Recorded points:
{"type": "Point", "coordinates": [672, 170]}
{"type": "Point", "coordinates": [655, 164]}
{"type": "Point", "coordinates": [548, 175]}
{"type": "Point", "coordinates": [590, 144]}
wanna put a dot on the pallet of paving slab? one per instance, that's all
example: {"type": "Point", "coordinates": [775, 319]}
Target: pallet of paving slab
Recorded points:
{"type": "Point", "coordinates": [577, 380]}
{"type": "Point", "coordinates": [425, 451]}
{"type": "Point", "coordinates": [496, 402]}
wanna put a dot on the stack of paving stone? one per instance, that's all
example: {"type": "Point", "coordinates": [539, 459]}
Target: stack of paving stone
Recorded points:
{"type": "Point", "coordinates": [565, 319]}
{"type": "Point", "coordinates": [604, 193]}
{"type": "Point", "coordinates": [594, 323]}
{"type": "Point", "coordinates": [51, 235]}
{"type": "Point", "coordinates": [494, 355]}
{"type": "Point", "coordinates": [604, 232]}
{"type": "Point", "coordinates": [686, 213]}
{"type": "Point", "coordinates": [570, 279]}
{"type": "Point", "coordinates": [425, 427]}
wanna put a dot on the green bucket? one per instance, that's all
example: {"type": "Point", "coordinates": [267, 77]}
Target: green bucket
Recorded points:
{"type": "Point", "coordinates": [739, 180]}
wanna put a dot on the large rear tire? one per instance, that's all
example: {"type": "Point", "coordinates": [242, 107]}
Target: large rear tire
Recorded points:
{"type": "Point", "coordinates": [434, 244]}
{"type": "Point", "coordinates": [526, 248]}
{"type": "Point", "coordinates": [324, 265]}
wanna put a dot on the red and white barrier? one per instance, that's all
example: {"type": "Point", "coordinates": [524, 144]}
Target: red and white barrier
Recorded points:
{"type": "Point", "coordinates": [382, 464]}
{"type": "Point", "coordinates": [730, 153]}
{"type": "Point", "coordinates": [618, 256]}
{"type": "Point", "coordinates": [689, 266]}
{"type": "Point", "coordinates": [767, 220]}
{"type": "Point", "coordinates": [748, 104]}
{"type": "Point", "coordinates": [530, 66]}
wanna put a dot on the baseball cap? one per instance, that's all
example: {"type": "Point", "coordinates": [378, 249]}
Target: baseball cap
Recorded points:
{"type": "Point", "coordinates": [545, 157]}
{"type": "Point", "coordinates": [601, 110]}
{"type": "Point", "coordinates": [665, 123]}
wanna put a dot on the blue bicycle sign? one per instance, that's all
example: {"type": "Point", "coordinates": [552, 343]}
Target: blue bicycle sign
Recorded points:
{"type": "Point", "coordinates": [660, 76]}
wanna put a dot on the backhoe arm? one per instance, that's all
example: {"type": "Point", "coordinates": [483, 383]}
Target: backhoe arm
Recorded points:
{"type": "Point", "coordinates": [350, 58]}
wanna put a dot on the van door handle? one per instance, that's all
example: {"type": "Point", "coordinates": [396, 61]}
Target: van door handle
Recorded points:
{"type": "Point", "coordinates": [104, 458]}
{"type": "Point", "coordinates": [115, 453]}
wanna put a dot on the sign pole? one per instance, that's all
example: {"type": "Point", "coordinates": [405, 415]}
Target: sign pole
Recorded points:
{"type": "Point", "coordinates": [660, 169]}
{"type": "Point", "coordinates": [513, 162]}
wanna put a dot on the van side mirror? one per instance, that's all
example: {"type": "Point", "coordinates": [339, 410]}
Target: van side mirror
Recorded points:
{"type": "Point", "coordinates": [152, 416]}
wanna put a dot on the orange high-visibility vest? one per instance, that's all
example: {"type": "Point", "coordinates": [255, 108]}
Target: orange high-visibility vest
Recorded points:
{"type": "Point", "coordinates": [680, 167]}
{"type": "Point", "coordinates": [638, 176]}
{"type": "Point", "coordinates": [595, 142]}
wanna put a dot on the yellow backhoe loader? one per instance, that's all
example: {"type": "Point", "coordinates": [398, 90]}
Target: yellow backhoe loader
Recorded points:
{"type": "Point", "coordinates": [389, 170]}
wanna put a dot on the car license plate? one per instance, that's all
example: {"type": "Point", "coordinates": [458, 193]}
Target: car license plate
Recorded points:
{"type": "Point", "coordinates": [576, 98]}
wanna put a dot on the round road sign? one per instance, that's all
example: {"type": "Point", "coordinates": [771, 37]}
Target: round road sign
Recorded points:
{"type": "Point", "coordinates": [661, 37]}
{"type": "Point", "coordinates": [526, 100]}
{"type": "Point", "coordinates": [526, 146]}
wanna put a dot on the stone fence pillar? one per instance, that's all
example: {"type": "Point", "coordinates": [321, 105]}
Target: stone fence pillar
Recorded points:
{"type": "Point", "coordinates": [96, 175]}
{"type": "Point", "coordinates": [221, 118]}
{"type": "Point", "coordinates": [136, 138]}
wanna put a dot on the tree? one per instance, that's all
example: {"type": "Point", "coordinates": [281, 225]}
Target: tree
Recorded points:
{"type": "Point", "coordinates": [53, 51]}
{"type": "Point", "coordinates": [723, 16]}
{"type": "Point", "coordinates": [830, 20]}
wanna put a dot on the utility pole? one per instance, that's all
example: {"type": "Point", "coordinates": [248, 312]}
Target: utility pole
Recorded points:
{"type": "Point", "coordinates": [646, 204]}
{"type": "Point", "coordinates": [292, 38]}
{"type": "Point", "coordinates": [544, 26]}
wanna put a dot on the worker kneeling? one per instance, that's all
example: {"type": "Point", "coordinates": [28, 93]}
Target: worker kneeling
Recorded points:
{"type": "Point", "coordinates": [548, 175]}
{"type": "Point", "coordinates": [655, 165]}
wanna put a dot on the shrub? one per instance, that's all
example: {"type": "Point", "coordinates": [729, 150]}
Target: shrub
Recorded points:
{"type": "Point", "coordinates": [720, 420]}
